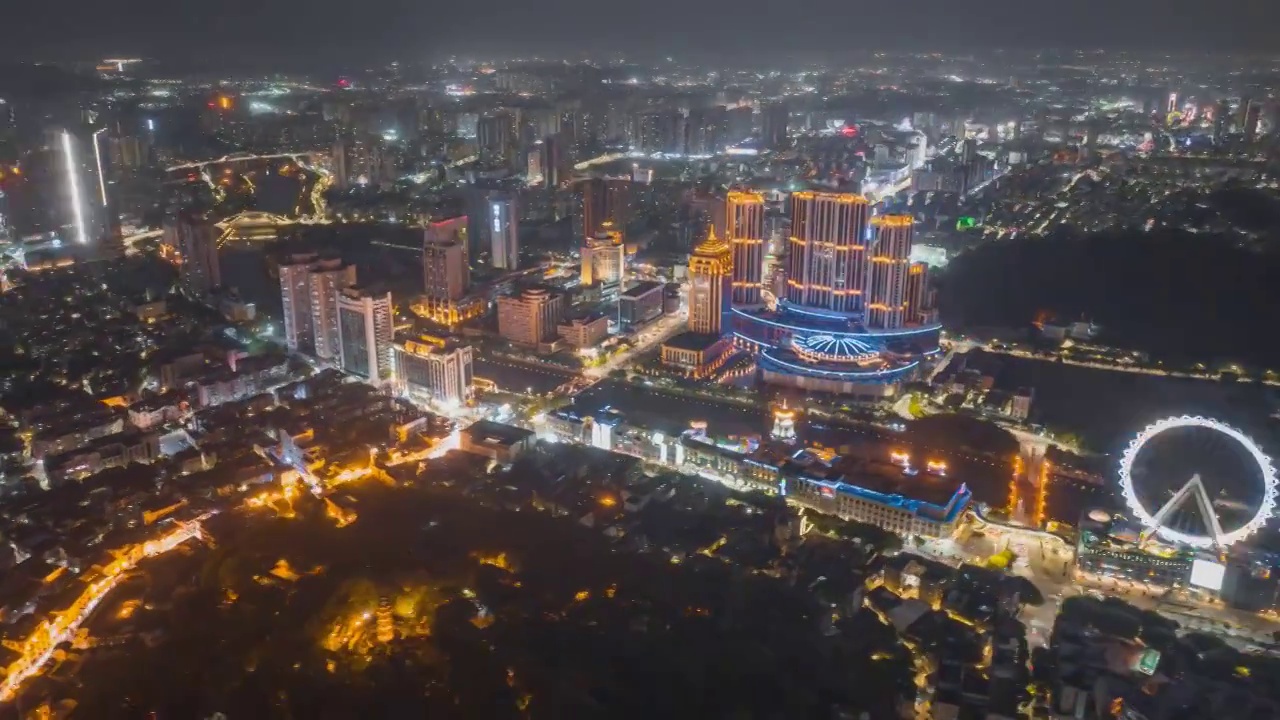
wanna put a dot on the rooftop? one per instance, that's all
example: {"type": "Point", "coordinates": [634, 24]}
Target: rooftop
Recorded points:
{"type": "Point", "coordinates": [492, 433]}
{"type": "Point", "coordinates": [693, 341]}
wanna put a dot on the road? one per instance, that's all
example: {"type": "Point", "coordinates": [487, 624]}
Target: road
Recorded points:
{"type": "Point", "coordinates": [655, 334]}
{"type": "Point", "coordinates": [964, 346]}
{"type": "Point", "coordinates": [38, 648]}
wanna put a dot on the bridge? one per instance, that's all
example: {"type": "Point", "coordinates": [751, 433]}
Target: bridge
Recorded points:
{"type": "Point", "coordinates": [248, 157]}
{"type": "Point", "coordinates": [253, 225]}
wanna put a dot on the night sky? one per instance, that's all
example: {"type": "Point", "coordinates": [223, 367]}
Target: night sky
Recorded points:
{"type": "Point", "coordinates": [371, 30]}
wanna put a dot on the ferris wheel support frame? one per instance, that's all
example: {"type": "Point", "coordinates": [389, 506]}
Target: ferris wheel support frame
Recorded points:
{"type": "Point", "coordinates": [1216, 538]}
{"type": "Point", "coordinates": [1193, 488]}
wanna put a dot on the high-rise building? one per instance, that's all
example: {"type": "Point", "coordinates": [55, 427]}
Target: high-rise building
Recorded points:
{"type": "Point", "coordinates": [660, 131]}
{"type": "Point", "coordinates": [295, 301]}
{"type": "Point", "coordinates": [1251, 120]}
{"type": "Point", "coordinates": [503, 227]}
{"type": "Point", "coordinates": [437, 368]}
{"type": "Point", "coordinates": [1089, 148]}
{"type": "Point", "coordinates": [1221, 121]}
{"type": "Point", "coordinates": [605, 200]}
{"type": "Point", "coordinates": [774, 119]}
{"type": "Point", "coordinates": [1242, 112]}
{"type": "Point", "coordinates": [194, 240]}
{"type": "Point", "coordinates": [365, 332]}
{"type": "Point", "coordinates": [918, 299]}
{"type": "Point", "coordinates": [327, 278]}
{"type": "Point", "coordinates": [554, 161]}
{"type": "Point", "coordinates": [738, 123]}
{"type": "Point", "coordinates": [496, 137]}
{"type": "Point", "coordinates": [706, 130]}
{"type": "Point", "coordinates": [740, 217]}
{"type": "Point", "coordinates": [710, 287]}
{"type": "Point", "coordinates": [827, 258]}
{"type": "Point", "coordinates": [446, 271]}
{"type": "Point", "coordinates": [531, 317]}
{"type": "Point", "coordinates": [308, 292]}
{"type": "Point", "coordinates": [359, 161]}
{"type": "Point", "coordinates": [890, 258]}
{"type": "Point", "coordinates": [604, 261]}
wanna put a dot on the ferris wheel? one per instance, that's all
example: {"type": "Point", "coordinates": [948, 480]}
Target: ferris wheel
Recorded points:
{"type": "Point", "coordinates": [1189, 458]}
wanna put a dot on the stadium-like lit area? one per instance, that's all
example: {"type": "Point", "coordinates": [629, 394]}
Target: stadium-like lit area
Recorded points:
{"type": "Point", "coordinates": [823, 351]}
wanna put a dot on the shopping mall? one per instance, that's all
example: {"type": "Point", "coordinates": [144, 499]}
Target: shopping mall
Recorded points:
{"type": "Point", "coordinates": [854, 315]}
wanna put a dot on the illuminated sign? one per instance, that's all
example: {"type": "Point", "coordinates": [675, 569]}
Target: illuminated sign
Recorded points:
{"type": "Point", "coordinates": [1207, 574]}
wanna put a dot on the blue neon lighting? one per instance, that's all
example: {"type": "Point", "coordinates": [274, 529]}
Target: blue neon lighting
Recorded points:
{"type": "Point", "coordinates": [841, 374]}
{"type": "Point", "coordinates": [828, 344]}
{"type": "Point", "coordinates": [957, 503]}
{"type": "Point", "coordinates": [869, 334]}
{"type": "Point", "coordinates": [830, 315]}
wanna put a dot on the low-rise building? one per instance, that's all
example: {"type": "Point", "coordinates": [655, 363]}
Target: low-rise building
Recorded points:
{"type": "Point", "coordinates": [641, 303]}
{"type": "Point", "coordinates": [503, 443]}
{"type": "Point", "coordinates": [696, 355]}
{"type": "Point", "coordinates": [585, 332]}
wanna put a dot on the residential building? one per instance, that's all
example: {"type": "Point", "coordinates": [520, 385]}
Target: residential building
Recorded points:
{"type": "Point", "coordinates": [194, 241]}
{"type": "Point", "coordinates": [325, 279]}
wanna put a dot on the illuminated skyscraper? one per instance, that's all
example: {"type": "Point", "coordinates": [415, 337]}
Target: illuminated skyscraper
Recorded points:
{"type": "Point", "coordinates": [503, 227]}
{"type": "Point", "coordinates": [604, 261]}
{"type": "Point", "coordinates": [710, 287]}
{"type": "Point", "coordinates": [741, 219]}
{"type": "Point", "coordinates": [827, 263]}
{"type": "Point", "coordinates": [889, 260]}
{"type": "Point", "coordinates": [919, 304]}
{"type": "Point", "coordinates": [446, 273]}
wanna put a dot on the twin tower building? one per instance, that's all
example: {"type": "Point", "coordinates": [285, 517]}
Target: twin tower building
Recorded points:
{"type": "Point", "coordinates": [839, 259]}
